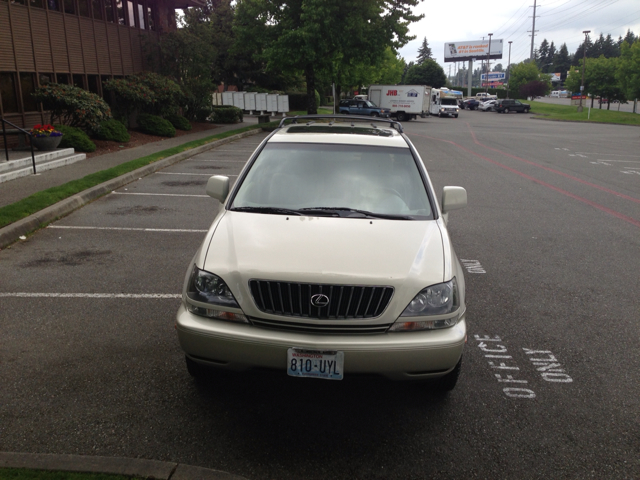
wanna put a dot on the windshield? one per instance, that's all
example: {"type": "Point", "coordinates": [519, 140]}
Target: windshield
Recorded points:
{"type": "Point", "coordinates": [448, 101]}
{"type": "Point", "coordinates": [371, 104]}
{"type": "Point", "coordinates": [297, 176]}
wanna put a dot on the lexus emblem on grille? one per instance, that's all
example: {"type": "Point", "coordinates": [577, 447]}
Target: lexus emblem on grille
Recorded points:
{"type": "Point", "coordinates": [319, 300]}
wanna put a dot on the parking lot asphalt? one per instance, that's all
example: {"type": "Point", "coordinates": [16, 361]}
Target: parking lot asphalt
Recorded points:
{"type": "Point", "coordinates": [549, 387]}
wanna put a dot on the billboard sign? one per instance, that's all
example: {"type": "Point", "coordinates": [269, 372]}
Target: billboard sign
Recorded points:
{"type": "Point", "coordinates": [494, 76]}
{"type": "Point", "coordinates": [472, 50]}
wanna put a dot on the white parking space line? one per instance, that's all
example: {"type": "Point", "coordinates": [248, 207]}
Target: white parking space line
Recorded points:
{"type": "Point", "coordinates": [170, 230]}
{"type": "Point", "coordinates": [159, 194]}
{"type": "Point", "coordinates": [89, 295]}
{"type": "Point", "coordinates": [194, 174]}
{"type": "Point", "coordinates": [610, 154]}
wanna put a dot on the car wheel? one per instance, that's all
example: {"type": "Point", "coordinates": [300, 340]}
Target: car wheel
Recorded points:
{"type": "Point", "coordinates": [526, 110]}
{"type": "Point", "coordinates": [402, 117]}
{"type": "Point", "coordinates": [375, 114]}
{"type": "Point", "coordinates": [449, 381]}
{"type": "Point", "coordinates": [455, 116]}
{"type": "Point", "coordinates": [196, 370]}
{"type": "Point", "coordinates": [506, 110]}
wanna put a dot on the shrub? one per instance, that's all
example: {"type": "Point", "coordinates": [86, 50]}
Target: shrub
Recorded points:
{"type": "Point", "coordinates": [167, 94]}
{"type": "Point", "coordinates": [204, 113]}
{"type": "Point", "coordinates": [178, 122]}
{"type": "Point", "coordinates": [73, 106]}
{"type": "Point", "coordinates": [226, 114]}
{"type": "Point", "coordinates": [155, 125]}
{"type": "Point", "coordinates": [73, 137]}
{"type": "Point", "coordinates": [130, 96]}
{"type": "Point", "coordinates": [197, 95]}
{"type": "Point", "coordinates": [113, 130]}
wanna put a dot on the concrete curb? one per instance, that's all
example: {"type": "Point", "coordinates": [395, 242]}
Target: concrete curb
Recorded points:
{"type": "Point", "coordinates": [137, 467]}
{"type": "Point", "coordinates": [12, 232]}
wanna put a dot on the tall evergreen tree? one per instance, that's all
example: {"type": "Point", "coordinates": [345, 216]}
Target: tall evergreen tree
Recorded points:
{"type": "Point", "coordinates": [551, 58]}
{"type": "Point", "coordinates": [424, 52]}
{"type": "Point", "coordinates": [562, 61]}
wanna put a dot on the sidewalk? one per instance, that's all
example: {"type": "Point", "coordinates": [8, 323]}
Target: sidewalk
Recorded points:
{"type": "Point", "coordinates": [14, 190]}
{"type": "Point", "coordinates": [20, 188]}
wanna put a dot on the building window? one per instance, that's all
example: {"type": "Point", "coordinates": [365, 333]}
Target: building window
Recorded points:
{"type": "Point", "coordinates": [93, 84]}
{"type": "Point", "coordinates": [120, 12]}
{"type": "Point", "coordinates": [45, 78]}
{"type": "Point", "coordinates": [28, 87]}
{"type": "Point", "coordinates": [8, 92]}
{"type": "Point", "coordinates": [97, 10]}
{"type": "Point", "coordinates": [108, 7]}
{"type": "Point", "coordinates": [130, 11]}
{"type": "Point", "coordinates": [78, 81]}
{"type": "Point", "coordinates": [84, 8]}
{"type": "Point", "coordinates": [69, 7]}
{"type": "Point", "coordinates": [63, 78]}
{"type": "Point", "coordinates": [141, 16]}
{"type": "Point", "coordinates": [53, 5]}
{"type": "Point", "coordinates": [37, 3]}
{"type": "Point", "coordinates": [151, 11]}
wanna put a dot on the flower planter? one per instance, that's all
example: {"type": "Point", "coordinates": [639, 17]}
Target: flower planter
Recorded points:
{"type": "Point", "coordinates": [46, 144]}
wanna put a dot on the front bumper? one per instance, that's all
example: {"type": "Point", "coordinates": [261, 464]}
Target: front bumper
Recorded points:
{"type": "Point", "coordinates": [398, 356]}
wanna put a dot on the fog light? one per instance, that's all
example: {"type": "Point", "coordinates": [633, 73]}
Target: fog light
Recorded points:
{"type": "Point", "coordinates": [424, 325]}
{"type": "Point", "coordinates": [217, 314]}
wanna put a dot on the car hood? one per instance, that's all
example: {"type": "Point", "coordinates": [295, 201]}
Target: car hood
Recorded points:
{"type": "Point", "coordinates": [407, 255]}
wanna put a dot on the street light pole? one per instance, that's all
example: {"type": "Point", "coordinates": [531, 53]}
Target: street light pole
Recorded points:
{"type": "Point", "coordinates": [584, 65]}
{"type": "Point", "coordinates": [509, 69]}
{"type": "Point", "coordinates": [486, 90]}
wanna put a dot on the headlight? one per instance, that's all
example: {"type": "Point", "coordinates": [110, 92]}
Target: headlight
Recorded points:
{"type": "Point", "coordinates": [207, 288]}
{"type": "Point", "coordinates": [442, 299]}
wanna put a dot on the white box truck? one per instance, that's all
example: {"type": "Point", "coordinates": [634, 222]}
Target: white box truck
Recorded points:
{"type": "Point", "coordinates": [404, 101]}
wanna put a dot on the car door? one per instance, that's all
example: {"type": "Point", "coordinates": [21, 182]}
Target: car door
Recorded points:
{"type": "Point", "coordinates": [517, 106]}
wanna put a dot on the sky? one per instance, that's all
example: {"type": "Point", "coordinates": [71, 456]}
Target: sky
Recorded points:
{"type": "Point", "coordinates": [560, 21]}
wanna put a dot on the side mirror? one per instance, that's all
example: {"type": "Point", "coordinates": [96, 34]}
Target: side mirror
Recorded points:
{"type": "Point", "coordinates": [218, 187]}
{"type": "Point", "coordinates": [453, 198]}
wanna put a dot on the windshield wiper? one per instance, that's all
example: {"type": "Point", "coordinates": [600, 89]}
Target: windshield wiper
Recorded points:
{"type": "Point", "coordinates": [365, 213]}
{"type": "Point", "coordinates": [273, 210]}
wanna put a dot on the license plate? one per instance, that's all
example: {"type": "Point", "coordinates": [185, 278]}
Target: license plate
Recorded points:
{"type": "Point", "coordinates": [315, 363]}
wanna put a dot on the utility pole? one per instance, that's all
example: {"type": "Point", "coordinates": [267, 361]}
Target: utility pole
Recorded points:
{"type": "Point", "coordinates": [486, 90]}
{"type": "Point", "coordinates": [584, 66]}
{"type": "Point", "coordinates": [533, 30]}
{"type": "Point", "coordinates": [509, 69]}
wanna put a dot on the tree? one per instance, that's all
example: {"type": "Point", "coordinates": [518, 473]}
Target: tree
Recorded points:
{"type": "Point", "coordinates": [524, 73]}
{"type": "Point", "coordinates": [628, 72]}
{"type": "Point", "coordinates": [426, 73]}
{"type": "Point", "coordinates": [424, 52]}
{"type": "Point", "coordinates": [600, 79]}
{"type": "Point", "coordinates": [562, 60]}
{"type": "Point", "coordinates": [318, 36]}
{"type": "Point", "coordinates": [536, 88]}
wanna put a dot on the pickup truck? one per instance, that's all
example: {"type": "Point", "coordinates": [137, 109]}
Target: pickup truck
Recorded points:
{"type": "Point", "coordinates": [356, 106]}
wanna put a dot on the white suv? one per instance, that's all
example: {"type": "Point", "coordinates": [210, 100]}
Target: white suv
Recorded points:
{"type": "Point", "coordinates": [331, 257]}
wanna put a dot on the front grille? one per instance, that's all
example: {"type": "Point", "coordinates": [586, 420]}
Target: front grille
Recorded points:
{"type": "Point", "coordinates": [323, 328]}
{"type": "Point", "coordinates": [345, 301]}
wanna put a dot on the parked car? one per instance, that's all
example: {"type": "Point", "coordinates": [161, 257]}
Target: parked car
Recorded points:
{"type": "Point", "coordinates": [330, 257]}
{"type": "Point", "coordinates": [508, 105]}
{"type": "Point", "coordinates": [470, 104]}
{"type": "Point", "coordinates": [487, 106]}
{"type": "Point", "coordinates": [356, 106]}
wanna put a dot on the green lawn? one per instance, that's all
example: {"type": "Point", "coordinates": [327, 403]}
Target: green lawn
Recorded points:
{"type": "Point", "coordinates": [321, 111]}
{"type": "Point", "coordinates": [24, 474]}
{"type": "Point", "coordinates": [569, 112]}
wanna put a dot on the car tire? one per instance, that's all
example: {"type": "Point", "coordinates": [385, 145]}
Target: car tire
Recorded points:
{"type": "Point", "coordinates": [449, 381]}
{"type": "Point", "coordinates": [526, 110]}
{"type": "Point", "coordinates": [506, 110]}
{"type": "Point", "coordinates": [196, 370]}
{"type": "Point", "coordinates": [455, 116]}
{"type": "Point", "coordinates": [374, 114]}
{"type": "Point", "coordinates": [403, 117]}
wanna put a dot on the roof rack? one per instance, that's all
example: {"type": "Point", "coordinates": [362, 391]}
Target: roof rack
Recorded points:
{"type": "Point", "coordinates": [310, 119]}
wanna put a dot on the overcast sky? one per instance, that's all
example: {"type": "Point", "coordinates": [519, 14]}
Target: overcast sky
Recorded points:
{"type": "Point", "coordinates": [560, 21]}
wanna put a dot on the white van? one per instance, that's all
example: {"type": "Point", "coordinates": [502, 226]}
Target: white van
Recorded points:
{"type": "Point", "coordinates": [555, 93]}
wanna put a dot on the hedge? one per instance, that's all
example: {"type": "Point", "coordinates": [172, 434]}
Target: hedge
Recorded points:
{"type": "Point", "coordinates": [155, 125]}
{"type": "Point", "coordinates": [178, 122]}
{"type": "Point", "coordinates": [75, 138]}
{"type": "Point", "coordinates": [226, 114]}
{"type": "Point", "coordinates": [113, 130]}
